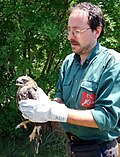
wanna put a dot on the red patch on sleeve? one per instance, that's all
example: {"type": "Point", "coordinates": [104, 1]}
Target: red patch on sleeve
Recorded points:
{"type": "Point", "coordinates": [88, 100]}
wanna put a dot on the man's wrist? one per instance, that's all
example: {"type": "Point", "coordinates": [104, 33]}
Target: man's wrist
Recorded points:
{"type": "Point", "coordinates": [59, 112]}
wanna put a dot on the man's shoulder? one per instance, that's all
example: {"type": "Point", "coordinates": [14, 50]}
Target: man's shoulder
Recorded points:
{"type": "Point", "coordinates": [114, 54]}
{"type": "Point", "coordinates": [111, 53]}
{"type": "Point", "coordinates": [70, 57]}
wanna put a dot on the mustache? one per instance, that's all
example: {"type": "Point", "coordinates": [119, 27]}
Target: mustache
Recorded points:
{"type": "Point", "coordinates": [74, 42]}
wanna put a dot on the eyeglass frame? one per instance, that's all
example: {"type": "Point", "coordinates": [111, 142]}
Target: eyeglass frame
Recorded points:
{"type": "Point", "coordinates": [77, 31]}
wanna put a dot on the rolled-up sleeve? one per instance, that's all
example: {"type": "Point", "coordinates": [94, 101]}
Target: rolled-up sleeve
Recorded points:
{"type": "Point", "coordinates": [107, 107]}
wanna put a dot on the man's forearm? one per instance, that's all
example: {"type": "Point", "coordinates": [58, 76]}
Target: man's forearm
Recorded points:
{"type": "Point", "coordinates": [81, 118]}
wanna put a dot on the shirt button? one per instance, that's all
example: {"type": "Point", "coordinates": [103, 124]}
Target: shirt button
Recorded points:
{"type": "Point", "coordinates": [87, 62]}
{"type": "Point", "coordinates": [72, 96]}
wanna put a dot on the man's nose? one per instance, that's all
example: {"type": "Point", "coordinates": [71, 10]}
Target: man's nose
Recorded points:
{"type": "Point", "coordinates": [71, 35]}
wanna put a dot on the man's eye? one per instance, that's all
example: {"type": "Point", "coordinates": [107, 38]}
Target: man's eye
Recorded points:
{"type": "Point", "coordinates": [77, 31]}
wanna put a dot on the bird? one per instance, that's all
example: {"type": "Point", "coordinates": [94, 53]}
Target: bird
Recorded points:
{"type": "Point", "coordinates": [27, 89]}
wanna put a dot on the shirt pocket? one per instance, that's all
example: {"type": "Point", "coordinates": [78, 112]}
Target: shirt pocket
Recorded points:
{"type": "Point", "coordinates": [67, 88]}
{"type": "Point", "coordinates": [67, 82]}
{"type": "Point", "coordinates": [88, 94]}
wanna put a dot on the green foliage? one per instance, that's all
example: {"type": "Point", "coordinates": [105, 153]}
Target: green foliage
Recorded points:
{"type": "Point", "coordinates": [112, 13]}
{"type": "Point", "coordinates": [32, 43]}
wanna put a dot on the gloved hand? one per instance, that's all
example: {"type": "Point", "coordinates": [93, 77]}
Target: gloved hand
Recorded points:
{"type": "Point", "coordinates": [43, 110]}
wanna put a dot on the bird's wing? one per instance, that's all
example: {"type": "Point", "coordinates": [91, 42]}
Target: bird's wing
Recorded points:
{"type": "Point", "coordinates": [27, 92]}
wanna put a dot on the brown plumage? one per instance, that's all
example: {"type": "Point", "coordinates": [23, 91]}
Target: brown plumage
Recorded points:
{"type": "Point", "coordinates": [27, 89]}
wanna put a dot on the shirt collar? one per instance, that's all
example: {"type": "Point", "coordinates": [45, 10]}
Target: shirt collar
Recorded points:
{"type": "Point", "coordinates": [93, 53]}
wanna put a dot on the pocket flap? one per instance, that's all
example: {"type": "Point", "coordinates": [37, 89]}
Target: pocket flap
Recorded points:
{"type": "Point", "coordinates": [91, 86]}
{"type": "Point", "coordinates": [67, 82]}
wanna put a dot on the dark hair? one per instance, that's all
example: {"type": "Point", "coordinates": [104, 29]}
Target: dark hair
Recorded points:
{"type": "Point", "coordinates": [95, 15]}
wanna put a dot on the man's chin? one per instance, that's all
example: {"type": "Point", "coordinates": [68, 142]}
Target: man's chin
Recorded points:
{"type": "Point", "coordinates": [76, 52]}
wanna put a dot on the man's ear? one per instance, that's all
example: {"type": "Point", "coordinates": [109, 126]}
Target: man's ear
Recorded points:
{"type": "Point", "coordinates": [98, 31]}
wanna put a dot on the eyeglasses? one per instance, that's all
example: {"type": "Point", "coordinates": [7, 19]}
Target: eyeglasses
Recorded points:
{"type": "Point", "coordinates": [77, 32]}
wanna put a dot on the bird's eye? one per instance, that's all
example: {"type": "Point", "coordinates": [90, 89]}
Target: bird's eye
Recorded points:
{"type": "Point", "coordinates": [25, 81]}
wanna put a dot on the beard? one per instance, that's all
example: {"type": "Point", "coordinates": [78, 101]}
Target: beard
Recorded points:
{"type": "Point", "coordinates": [80, 50]}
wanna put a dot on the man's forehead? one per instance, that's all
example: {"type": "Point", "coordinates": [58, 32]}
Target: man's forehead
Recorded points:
{"type": "Point", "coordinates": [79, 13]}
{"type": "Point", "coordinates": [78, 16]}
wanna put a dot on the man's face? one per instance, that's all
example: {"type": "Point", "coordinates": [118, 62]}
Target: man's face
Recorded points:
{"type": "Point", "coordinates": [80, 35]}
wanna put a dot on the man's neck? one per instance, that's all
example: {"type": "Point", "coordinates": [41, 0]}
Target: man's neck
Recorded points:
{"type": "Point", "coordinates": [84, 56]}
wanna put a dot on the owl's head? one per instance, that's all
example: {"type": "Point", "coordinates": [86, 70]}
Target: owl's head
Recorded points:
{"type": "Point", "coordinates": [26, 81]}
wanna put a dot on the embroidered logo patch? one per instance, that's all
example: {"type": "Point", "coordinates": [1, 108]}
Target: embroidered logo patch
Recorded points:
{"type": "Point", "coordinates": [88, 100]}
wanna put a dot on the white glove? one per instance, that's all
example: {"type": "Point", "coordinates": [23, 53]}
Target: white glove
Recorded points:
{"type": "Point", "coordinates": [43, 110]}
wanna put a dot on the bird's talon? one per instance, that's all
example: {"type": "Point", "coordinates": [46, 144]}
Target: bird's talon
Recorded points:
{"type": "Point", "coordinates": [17, 127]}
{"type": "Point", "coordinates": [32, 137]}
{"type": "Point", "coordinates": [23, 124]}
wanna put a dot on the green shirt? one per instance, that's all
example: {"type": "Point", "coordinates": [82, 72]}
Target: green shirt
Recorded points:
{"type": "Point", "coordinates": [95, 85]}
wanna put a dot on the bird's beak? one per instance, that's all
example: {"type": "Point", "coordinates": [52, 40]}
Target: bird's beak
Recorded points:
{"type": "Point", "coordinates": [18, 83]}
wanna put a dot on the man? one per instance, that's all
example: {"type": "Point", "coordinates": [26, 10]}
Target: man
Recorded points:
{"type": "Point", "coordinates": [87, 102]}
